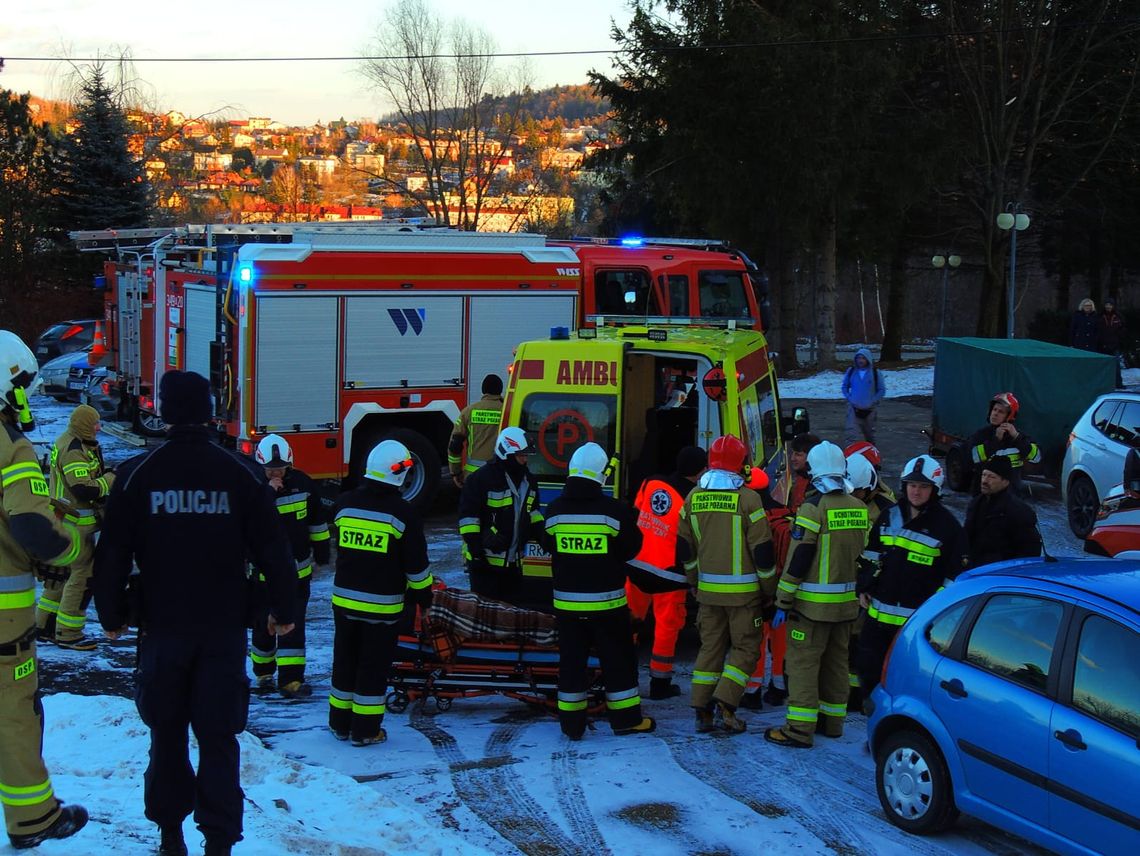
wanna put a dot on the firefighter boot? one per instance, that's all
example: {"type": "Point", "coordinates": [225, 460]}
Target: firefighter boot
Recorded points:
{"type": "Point", "coordinates": [72, 818]}
{"type": "Point", "coordinates": [172, 843]}
{"type": "Point", "coordinates": [214, 847]}
{"type": "Point", "coordinates": [727, 719]}
{"type": "Point", "coordinates": [264, 685]}
{"type": "Point", "coordinates": [646, 725]}
{"type": "Point", "coordinates": [80, 643]}
{"type": "Point", "coordinates": [705, 720]}
{"type": "Point", "coordinates": [752, 700]}
{"type": "Point", "coordinates": [296, 689]}
{"type": "Point", "coordinates": [775, 696]}
{"type": "Point", "coordinates": [663, 688]}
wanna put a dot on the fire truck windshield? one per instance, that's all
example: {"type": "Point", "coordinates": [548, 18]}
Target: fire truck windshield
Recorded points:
{"type": "Point", "coordinates": [723, 294]}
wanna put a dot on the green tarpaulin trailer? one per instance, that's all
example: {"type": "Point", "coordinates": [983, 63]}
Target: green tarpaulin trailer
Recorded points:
{"type": "Point", "coordinates": [1053, 384]}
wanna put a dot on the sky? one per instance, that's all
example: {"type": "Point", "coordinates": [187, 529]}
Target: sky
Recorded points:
{"type": "Point", "coordinates": [291, 92]}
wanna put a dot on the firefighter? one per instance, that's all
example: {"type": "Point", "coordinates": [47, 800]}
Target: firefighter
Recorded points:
{"type": "Point", "coordinates": [381, 562]}
{"type": "Point", "coordinates": [79, 486]}
{"type": "Point", "coordinates": [882, 494]}
{"type": "Point", "coordinates": [730, 562]}
{"type": "Point", "coordinates": [786, 495]}
{"type": "Point", "coordinates": [188, 514]}
{"type": "Point", "coordinates": [301, 511]}
{"type": "Point", "coordinates": [590, 537]}
{"type": "Point", "coordinates": [498, 509]}
{"type": "Point", "coordinates": [477, 427]}
{"type": "Point", "coordinates": [816, 596]}
{"type": "Point", "coordinates": [29, 532]}
{"type": "Point", "coordinates": [999, 436]}
{"type": "Point", "coordinates": [920, 547]}
{"type": "Point", "coordinates": [657, 578]}
{"type": "Point", "coordinates": [999, 525]}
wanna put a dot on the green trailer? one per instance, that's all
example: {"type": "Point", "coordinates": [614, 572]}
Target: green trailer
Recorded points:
{"type": "Point", "coordinates": [1053, 384]}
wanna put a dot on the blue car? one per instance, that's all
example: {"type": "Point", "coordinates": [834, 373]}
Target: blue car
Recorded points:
{"type": "Point", "coordinates": [1014, 696]}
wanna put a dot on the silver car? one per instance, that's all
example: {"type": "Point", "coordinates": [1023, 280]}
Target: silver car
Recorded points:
{"type": "Point", "coordinates": [1094, 460]}
{"type": "Point", "coordinates": [54, 376]}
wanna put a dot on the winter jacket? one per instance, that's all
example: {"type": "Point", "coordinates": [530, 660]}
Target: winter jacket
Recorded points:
{"type": "Point", "coordinates": [1000, 526]}
{"type": "Point", "coordinates": [1110, 333]}
{"type": "Point", "coordinates": [984, 445]}
{"type": "Point", "coordinates": [381, 554]}
{"type": "Point", "coordinates": [590, 537]}
{"type": "Point", "coordinates": [189, 513]}
{"type": "Point", "coordinates": [477, 427]}
{"type": "Point", "coordinates": [1083, 330]}
{"type": "Point", "coordinates": [863, 388]}
{"type": "Point", "coordinates": [306, 523]}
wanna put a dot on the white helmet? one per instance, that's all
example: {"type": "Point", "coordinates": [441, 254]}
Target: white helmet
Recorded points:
{"type": "Point", "coordinates": [18, 369]}
{"type": "Point", "coordinates": [860, 473]}
{"type": "Point", "coordinates": [826, 459]}
{"type": "Point", "coordinates": [589, 462]}
{"type": "Point", "coordinates": [512, 441]}
{"type": "Point", "coordinates": [924, 470]}
{"type": "Point", "coordinates": [388, 463]}
{"type": "Point", "coordinates": [274, 451]}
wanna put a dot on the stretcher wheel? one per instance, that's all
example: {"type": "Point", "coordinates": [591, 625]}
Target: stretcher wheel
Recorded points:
{"type": "Point", "coordinates": [442, 704]}
{"type": "Point", "coordinates": [396, 701]}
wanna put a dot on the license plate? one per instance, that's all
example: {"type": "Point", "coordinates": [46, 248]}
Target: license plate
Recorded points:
{"type": "Point", "coordinates": [41, 351]}
{"type": "Point", "coordinates": [77, 384]}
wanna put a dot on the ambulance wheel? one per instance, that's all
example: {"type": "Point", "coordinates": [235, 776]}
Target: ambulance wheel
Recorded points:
{"type": "Point", "coordinates": [396, 701]}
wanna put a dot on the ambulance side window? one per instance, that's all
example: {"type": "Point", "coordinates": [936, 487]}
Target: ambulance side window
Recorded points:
{"type": "Point", "coordinates": [561, 423]}
{"type": "Point", "coordinates": [624, 292]}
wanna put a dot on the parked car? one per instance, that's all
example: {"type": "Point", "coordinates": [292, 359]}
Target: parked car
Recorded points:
{"type": "Point", "coordinates": [1094, 459]}
{"type": "Point", "coordinates": [1117, 528]}
{"type": "Point", "coordinates": [54, 375]}
{"type": "Point", "coordinates": [65, 337]}
{"type": "Point", "coordinates": [1014, 696]}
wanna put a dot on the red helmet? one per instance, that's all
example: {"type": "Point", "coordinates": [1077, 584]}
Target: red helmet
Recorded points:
{"type": "Point", "coordinates": [1009, 400]}
{"type": "Point", "coordinates": [727, 453]}
{"type": "Point", "coordinates": [867, 450]}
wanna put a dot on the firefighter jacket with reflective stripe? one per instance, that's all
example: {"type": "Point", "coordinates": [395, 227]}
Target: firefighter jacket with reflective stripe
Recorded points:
{"type": "Point", "coordinates": [190, 514]}
{"type": "Point", "coordinates": [590, 537]}
{"type": "Point", "coordinates": [656, 567]}
{"type": "Point", "coordinates": [917, 557]}
{"type": "Point", "coordinates": [79, 479]}
{"type": "Point", "coordinates": [730, 562]}
{"type": "Point", "coordinates": [984, 444]}
{"type": "Point", "coordinates": [880, 503]}
{"type": "Point", "coordinates": [381, 552]}
{"type": "Point", "coordinates": [29, 530]}
{"type": "Point", "coordinates": [828, 536]}
{"type": "Point", "coordinates": [498, 514]}
{"type": "Point", "coordinates": [306, 524]}
{"type": "Point", "coordinates": [478, 428]}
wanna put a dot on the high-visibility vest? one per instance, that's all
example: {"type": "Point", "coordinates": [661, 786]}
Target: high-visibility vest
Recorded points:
{"type": "Point", "coordinates": [659, 510]}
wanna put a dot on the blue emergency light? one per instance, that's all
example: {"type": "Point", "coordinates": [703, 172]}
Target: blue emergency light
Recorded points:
{"type": "Point", "coordinates": [559, 333]}
{"type": "Point", "coordinates": [632, 242]}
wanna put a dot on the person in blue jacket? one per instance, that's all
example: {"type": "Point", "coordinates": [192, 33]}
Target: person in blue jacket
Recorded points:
{"type": "Point", "coordinates": [863, 388]}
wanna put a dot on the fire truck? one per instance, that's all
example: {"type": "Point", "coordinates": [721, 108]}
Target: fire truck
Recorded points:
{"type": "Point", "coordinates": [339, 335]}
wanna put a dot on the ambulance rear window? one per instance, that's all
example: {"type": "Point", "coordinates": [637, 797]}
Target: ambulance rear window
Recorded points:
{"type": "Point", "coordinates": [561, 423]}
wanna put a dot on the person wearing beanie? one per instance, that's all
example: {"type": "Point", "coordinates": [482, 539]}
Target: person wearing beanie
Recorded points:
{"type": "Point", "coordinates": [476, 428]}
{"type": "Point", "coordinates": [999, 525]}
{"type": "Point", "coordinates": [190, 514]}
{"type": "Point", "coordinates": [80, 482]}
{"type": "Point", "coordinates": [657, 577]}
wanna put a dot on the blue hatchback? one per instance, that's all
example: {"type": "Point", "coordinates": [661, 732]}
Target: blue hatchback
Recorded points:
{"type": "Point", "coordinates": [1014, 696]}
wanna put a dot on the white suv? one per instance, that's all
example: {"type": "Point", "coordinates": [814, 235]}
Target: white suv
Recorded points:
{"type": "Point", "coordinates": [1094, 460]}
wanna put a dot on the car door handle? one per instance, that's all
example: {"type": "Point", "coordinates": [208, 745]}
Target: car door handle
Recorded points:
{"type": "Point", "coordinates": [955, 688]}
{"type": "Point", "coordinates": [1071, 738]}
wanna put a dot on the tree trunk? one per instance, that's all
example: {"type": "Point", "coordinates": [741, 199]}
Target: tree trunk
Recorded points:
{"type": "Point", "coordinates": [896, 307]}
{"type": "Point", "coordinates": [993, 299]}
{"type": "Point", "coordinates": [828, 284]}
{"type": "Point", "coordinates": [785, 299]}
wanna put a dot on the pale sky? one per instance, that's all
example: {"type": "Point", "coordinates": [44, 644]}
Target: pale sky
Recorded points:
{"type": "Point", "coordinates": [295, 93]}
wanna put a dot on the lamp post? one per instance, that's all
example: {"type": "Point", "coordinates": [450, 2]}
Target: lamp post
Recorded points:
{"type": "Point", "coordinates": [944, 263]}
{"type": "Point", "coordinates": [1013, 221]}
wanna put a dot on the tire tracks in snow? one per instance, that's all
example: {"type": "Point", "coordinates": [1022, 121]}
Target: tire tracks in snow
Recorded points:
{"type": "Point", "coordinates": [572, 800]}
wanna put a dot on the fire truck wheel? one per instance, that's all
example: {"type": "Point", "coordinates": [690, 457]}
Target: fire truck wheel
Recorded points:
{"type": "Point", "coordinates": [148, 424]}
{"type": "Point", "coordinates": [422, 482]}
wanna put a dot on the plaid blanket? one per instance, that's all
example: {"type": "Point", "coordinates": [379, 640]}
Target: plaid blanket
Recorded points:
{"type": "Point", "coordinates": [465, 616]}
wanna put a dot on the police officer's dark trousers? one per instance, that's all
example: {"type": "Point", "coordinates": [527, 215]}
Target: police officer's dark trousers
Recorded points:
{"type": "Point", "coordinates": [196, 680]}
{"type": "Point", "coordinates": [362, 655]}
{"type": "Point", "coordinates": [610, 635]}
{"type": "Point", "coordinates": [283, 654]}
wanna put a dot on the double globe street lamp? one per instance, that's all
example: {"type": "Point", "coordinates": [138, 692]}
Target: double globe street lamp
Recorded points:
{"type": "Point", "coordinates": [944, 263]}
{"type": "Point", "coordinates": [1012, 220]}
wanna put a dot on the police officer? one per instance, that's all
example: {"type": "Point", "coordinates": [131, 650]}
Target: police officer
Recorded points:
{"type": "Point", "coordinates": [999, 525]}
{"type": "Point", "coordinates": [301, 511]}
{"type": "Point", "coordinates": [657, 578]}
{"type": "Point", "coordinates": [730, 562]}
{"type": "Point", "coordinates": [79, 485]}
{"type": "Point", "coordinates": [590, 537]}
{"type": "Point", "coordinates": [498, 510]}
{"type": "Point", "coordinates": [816, 596]}
{"type": "Point", "coordinates": [188, 513]}
{"type": "Point", "coordinates": [1000, 436]}
{"type": "Point", "coordinates": [29, 531]}
{"type": "Point", "coordinates": [477, 427]}
{"type": "Point", "coordinates": [381, 560]}
{"type": "Point", "coordinates": [920, 548]}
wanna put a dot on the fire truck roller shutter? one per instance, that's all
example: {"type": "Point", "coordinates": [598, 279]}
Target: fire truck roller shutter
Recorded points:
{"type": "Point", "coordinates": [200, 323]}
{"type": "Point", "coordinates": [498, 324]}
{"type": "Point", "coordinates": [412, 337]}
{"type": "Point", "coordinates": [296, 362]}
{"type": "Point", "coordinates": [422, 481]}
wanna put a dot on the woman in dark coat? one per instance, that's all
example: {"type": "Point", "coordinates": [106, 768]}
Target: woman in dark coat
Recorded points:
{"type": "Point", "coordinates": [1084, 326]}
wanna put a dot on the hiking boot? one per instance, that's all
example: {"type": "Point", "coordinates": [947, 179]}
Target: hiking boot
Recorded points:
{"type": "Point", "coordinates": [727, 719]}
{"type": "Point", "coordinates": [663, 688]}
{"type": "Point", "coordinates": [72, 818]}
{"type": "Point", "coordinates": [172, 842]}
{"type": "Point", "coordinates": [775, 696]}
{"type": "Point", "coordinates": [752, 701]}
{"type": "Point", "coordinates": [263, 685]}
{"type": "Point", "coordinates": [379, 737]}
{"type": "Point", "coordinates": [217, 848]}
{"type": "Point", "coordinates": [646, 725]}
{"type": "Point", "coordinates": [296, 689]}
{"type": "Point", "coordinates": [705, 721]}
{"type": "Point", "coordinates": [80, 643]}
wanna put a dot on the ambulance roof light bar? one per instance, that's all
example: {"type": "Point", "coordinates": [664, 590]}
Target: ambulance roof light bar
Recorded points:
{"type": "Point", "coordinates": [670, 321]}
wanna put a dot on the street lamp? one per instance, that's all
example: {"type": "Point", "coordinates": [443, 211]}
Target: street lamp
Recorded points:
{"type": "Point", "coordinates": [944, 263]}
{"type": "Point", "coordinates": [1013, 221]}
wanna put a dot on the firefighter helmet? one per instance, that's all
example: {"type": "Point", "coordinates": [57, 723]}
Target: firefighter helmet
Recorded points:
{"type": "Point", "coordinates": [589, 462]}
{"type": "Point", "coordinates": [1009, 400]}
{"type": "Point", "coordinates": [826, 459]}
{"type": "Point", "coordinates": [18, 369]}
{"type": "Point", "coordinates": [388, 463]}
{"type": "Point", "coordinates": [861, 473]}
{"type": "Point", "coordinates": [512, 441]}
{"type": "Point", "coordinates": [924, 470]}
{"type": "Point", "coordinates": [273, 451]}
{"type": "Point", "coordinates": [866, 450]}
{"type": "Point", "coordinates": [727, 453]}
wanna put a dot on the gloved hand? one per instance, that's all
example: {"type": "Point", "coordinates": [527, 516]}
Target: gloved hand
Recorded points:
{"type": "Point", "coordinates": [779, 618]}
{"type": "Point", "coordinates": [419, 597]}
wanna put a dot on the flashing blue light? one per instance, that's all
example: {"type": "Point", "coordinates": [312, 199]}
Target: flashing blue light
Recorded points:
{"type": "Point", "coordinates": [632, 242]}
{"type": "Point", "coordinates": [559, 333]}
{"type": "Point", "coordinates": [245, 274]}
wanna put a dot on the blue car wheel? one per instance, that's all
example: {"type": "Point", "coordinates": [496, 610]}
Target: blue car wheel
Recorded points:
{"type": "Point", "coordinates": [914, 784]}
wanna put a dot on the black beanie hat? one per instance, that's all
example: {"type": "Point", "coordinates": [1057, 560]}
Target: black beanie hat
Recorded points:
{"type": "Point", "coordinates": [492, 385]}
{"type": "Point", "coordinates": [691, 460]}
{"type": "Point", "coordinates": [805, 442]}
{"type": "Point", "coordinates": [1000, 465]}
{"type": "Point", "coordinates": [184, 398]}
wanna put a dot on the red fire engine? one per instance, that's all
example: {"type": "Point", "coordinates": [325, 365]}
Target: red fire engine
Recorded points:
{"type": "Point", "coordinates": [338, 335]}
